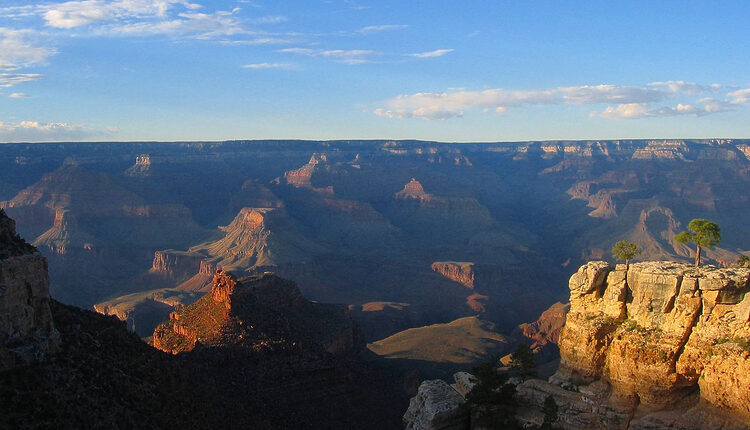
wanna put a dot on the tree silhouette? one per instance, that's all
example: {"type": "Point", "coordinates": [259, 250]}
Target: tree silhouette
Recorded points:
{"type": "Point", "coordinates": [492, 399]}
{"type": "Point", "coordinates": [550, 410]}
{"type": "Point", "coordinates": [703, 233]}
{"type": "Point", "coordinates": [522, 361]}
{"type": "Point", "coordinates": [624, 250]}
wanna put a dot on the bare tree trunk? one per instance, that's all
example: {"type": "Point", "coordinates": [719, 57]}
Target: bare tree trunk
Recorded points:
{"type": "Point", "coordinates": [698, 256]}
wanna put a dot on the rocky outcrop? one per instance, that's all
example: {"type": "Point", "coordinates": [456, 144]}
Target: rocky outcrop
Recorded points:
{"type": "Point", "coordinates": [27, 332]}
{"type": "Point", "coordinates": [437, 406]}
{"type": "Point", "coordinates": [257, 237]}
{"type": "Point", "coordinates": [141, 168]}
{"type": "Point", "coordinates": [461, 272]}
{"type": "Point", "coordinates": [263, 314]}
{"type": "Point", "coordinates": [413, 190]}
{"type": "Point", "coordinates": [658, 332]}
{"type": "Point", "coordinates": [302, 177]}
{"type": "Point", "coordinates": [176, 264]}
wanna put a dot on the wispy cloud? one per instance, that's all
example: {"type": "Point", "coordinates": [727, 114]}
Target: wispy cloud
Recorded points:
{"type": "Point", "coordinates": [431, 54]}
{"type": "Point", "coordinates": [139, 18]}
{"type": "Point", "coordinates": [346, 56]}
{"type": "Point", "coordinates": [686, 87]}
{"type": "Point", "coordinates": [740, 96]}
{"type": "Point", "coordinates": [19, 96]}
{"type": "Point", "coordinates": [17, 49]}
{"type": "Point", "coordinates": [630, 102]}
{"type": "Point", "coordinates": [79, 13]}
{"type": "Point", "coordinates": [259, 41]}
{"type": "Point", "coordinates": [261, 66]}
{"type": "Point", "coordinates": [271, 19]}
{"type": "Point", "coordinates": [11, 79]}
{"type": "Point", "coordinates": [641, 110]}
{"type": "Point", "coordinates": [370, 29]}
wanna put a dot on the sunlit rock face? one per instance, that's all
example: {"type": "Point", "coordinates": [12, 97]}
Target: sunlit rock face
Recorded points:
{"type": "Point", "coordinates": [658, 331]}
{"type": "Point", "coordinates": [27, 332]}
{"type": "Point", "coordinates": [263, 314]}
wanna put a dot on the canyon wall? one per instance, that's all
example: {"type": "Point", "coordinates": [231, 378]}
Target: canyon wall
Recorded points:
{"type": "Point", "coordinates": [661, 342]}
{"type": "Point", "coordinates": [27, 333]}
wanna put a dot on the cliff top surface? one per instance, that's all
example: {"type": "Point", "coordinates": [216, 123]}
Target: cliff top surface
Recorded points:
{"type": "Point", "coordinates": [11, 245]}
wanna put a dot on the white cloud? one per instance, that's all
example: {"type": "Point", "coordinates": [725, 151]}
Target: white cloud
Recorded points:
{"type": "Point", "coordinates": [628, 102]}
{"type": "Point", "coordinates": [427, 112]}
{"type": "Point", "coordinates": [688, 88]}
{"type": "Point", "coordinates": [19, 96]}
{"type": "Point", "coordinates": [79, 13]}
{"type": "Point", "coordinates": [431, 54]}
{"type": "Point", "coordinates": [455, 103]}
{"type": "Point", "coordinates": [641, 110]}
{"type": "Point", "coordinates": [145, 18]}
{"type": "Point", "coordinates": [740, 96]}
{"type": "Point", "coordinates": [8, 80]}
{"type": "Point", "coordinates": [370, 29]}
{"type": "Point", "coordinates": [260, 66]}
{"type": "Point", "coordinates": [30, 131]}
{"type": "Point", "coordinates": [350, 56]}
{"type": "Point", "coordinates": [18, 50]}
{"type": "Point", "coordinates": [190, 24]}
{"type": "Point", "coordinates": [626, 111]}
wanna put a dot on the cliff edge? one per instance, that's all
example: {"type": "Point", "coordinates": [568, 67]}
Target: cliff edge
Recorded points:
{"type": "Point", "coordinates": [27, 333]}
{"type": "Point", "coordinates": [659, 334]}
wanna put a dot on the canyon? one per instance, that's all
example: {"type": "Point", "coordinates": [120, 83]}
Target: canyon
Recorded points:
{"type": "Point", "coordinates": [295, 255]}
{"type": "Point", "coordinates": [455, 230]}
{"type": "Point", "coordinates": [253, 353]}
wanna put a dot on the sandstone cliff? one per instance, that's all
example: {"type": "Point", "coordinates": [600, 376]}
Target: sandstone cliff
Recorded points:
{"type": "Point", "coordinates": [661, 345]}
{"type": "Point", "coordinates": [27, 333]}
{"type": "Point", "coordinates": [659, 333]}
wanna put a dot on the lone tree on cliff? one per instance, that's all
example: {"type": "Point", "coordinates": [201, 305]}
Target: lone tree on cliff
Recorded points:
{"type": "Point", "coordinates": [624, 250]}
{"type": "Point", "coordinates": [703, 233]}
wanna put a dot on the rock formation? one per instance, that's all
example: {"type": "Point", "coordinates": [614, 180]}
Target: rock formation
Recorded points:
{"type": "Point", "coordinates": [176, 264]}
{"type": "Point", "coordinates": [461, 272]}
{"type": "Point", "coordinates": [661, 345]}
{"type": "Point", "coordinates": [141, 168]}
{"type": "Point", "coordinates": [302, 177]}
{"type": "Point", "coordinates": [437, 406]}
{"type": "Point", "coordinates": [27, 332]}
{"type": "Point", "coordinates": [413, 190]}
{"type": "Point", "coordinates": [263, 314]}
{"type": "Point", "coordinates": [656, 334]}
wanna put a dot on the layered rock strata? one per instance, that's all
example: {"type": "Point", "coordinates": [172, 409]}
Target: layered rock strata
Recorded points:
{"type": "Point", "coordinates": [658, 332]}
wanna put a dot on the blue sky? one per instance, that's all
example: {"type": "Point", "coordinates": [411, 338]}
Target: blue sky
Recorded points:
{"type": "Point", "coordinates": [438, 70]}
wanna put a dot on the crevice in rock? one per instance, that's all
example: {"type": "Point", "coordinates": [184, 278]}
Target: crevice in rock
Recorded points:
{"type": "Point", "coordinates": [689, 331]}
{"type": "Point", "coordinates": [670, 303]}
